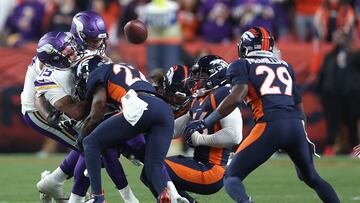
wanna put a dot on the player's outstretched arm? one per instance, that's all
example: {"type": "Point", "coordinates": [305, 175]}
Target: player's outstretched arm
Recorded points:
{"type": "Point", "coordinates": [228, 136]}
{"type": "Point", "coordinates": [232, 101]}
{"type": "Point", "coordinates": [43, 106]}
{"type": "Point", "coordinates": [98, 109]}
{"type": "Point", "coordinates": [238, 93]}
{"type": "Point", "coordinates": [75, 110]}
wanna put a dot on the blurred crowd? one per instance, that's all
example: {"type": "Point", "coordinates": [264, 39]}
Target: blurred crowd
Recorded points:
{"type": "Point", "coordinates": [172, 22]}
{"type": "Point", "coordinates": [212, 20]}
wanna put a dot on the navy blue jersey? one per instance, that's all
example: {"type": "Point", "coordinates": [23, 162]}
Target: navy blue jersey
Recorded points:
{"type": "Point", "coordinates": [200, 109]}
{"type": "Point", "coordinates": [118, 79]}
{"type": "Point", "coordinates": [272, 92]}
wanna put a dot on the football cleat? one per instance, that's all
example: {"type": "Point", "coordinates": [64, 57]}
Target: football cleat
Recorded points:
{"type": "Point", "coordinates": [97, 199]}
{"type": "Point", "coordinates": [49, 187]}
{"type": "Point", "coordinates": [44, 197]}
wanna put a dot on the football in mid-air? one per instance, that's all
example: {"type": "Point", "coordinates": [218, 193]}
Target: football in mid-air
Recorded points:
{"type": "Point", "coordinates": [135, 31]}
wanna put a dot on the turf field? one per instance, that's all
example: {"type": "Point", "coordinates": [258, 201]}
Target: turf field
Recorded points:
{"type": "Point", "coordinates": [275, 181]}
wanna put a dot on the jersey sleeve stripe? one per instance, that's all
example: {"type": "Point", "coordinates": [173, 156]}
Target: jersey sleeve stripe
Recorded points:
{"type": "Point", "coordinates": [47, 87]}
{"type": "Point", "coordinates": [38, 83]}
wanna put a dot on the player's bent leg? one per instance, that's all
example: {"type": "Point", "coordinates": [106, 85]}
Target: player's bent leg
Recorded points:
{"type": "Point", "coordinates": [117, 174]}
{"type": "Point", "coordinates": [301, 154]}
{"type": "Point", "coordinates": [157, 146]}
{"type": "Point", "coordinates": [81, 182]}
{"type": "Point", "coordinates": [253, 151]}
{"type": "Point", "coordinates": [234, 182]}
{"type": "Point", "coordinates": [193, 176]}
{"type": "Point", "coordinates": [112, 131]}
{"type": "Point", "coordinates": [52, 184]}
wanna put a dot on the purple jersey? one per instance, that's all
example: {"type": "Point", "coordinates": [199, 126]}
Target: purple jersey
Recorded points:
{"type": "Point", "coordinates": [200, 109]}
{"type": "Point", "coordinates": [272, 92]}
{"type": "Point", "coordinates": [118, 79]}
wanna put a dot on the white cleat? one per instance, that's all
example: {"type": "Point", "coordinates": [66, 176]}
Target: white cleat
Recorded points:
{"type": "Point", "coordinates": [44, 197]}
{"type": "Point", "coordinates": [49, 187]}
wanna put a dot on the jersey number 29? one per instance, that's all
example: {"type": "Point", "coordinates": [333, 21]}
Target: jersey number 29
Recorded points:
{"type": "Point", "coordinates": [268, 87]}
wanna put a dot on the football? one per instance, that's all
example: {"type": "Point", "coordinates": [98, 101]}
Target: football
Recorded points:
{"type": "Point", "coordinates": [135, 31]}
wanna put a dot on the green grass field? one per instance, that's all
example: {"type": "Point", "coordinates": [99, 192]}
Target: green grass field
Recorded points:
{"type": "Point", "coordinates": [275, 181]}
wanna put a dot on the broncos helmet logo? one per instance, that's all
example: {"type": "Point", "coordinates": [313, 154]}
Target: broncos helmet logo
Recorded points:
{"type": "Point", "coordinates": [221, 64]}
{"type": "Point", "coordinates": [248, 35]}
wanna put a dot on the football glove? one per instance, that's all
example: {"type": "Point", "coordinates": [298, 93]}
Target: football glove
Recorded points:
{"type": "Point", "coordinates": [54, 119]}
{"type": "Point", "coordinates": [191, 127]}
{"type": "Point", "coordinates": [68, 123]}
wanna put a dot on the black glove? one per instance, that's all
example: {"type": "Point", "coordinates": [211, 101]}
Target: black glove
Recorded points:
{"type": "Point", "coordinates": [193, 126]}
{"type": "Point", "coordinates": [66, 124]}
{"type": "Point", "coordinates": [188, 141]}
{"type": "Point", "coordinates": [54, 119]}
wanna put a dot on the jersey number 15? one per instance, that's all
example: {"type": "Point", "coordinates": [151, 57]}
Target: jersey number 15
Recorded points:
{"type": "Point", "coordinates": [268, 87]}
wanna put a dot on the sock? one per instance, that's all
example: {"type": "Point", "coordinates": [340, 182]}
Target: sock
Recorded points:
{"type": "Point", "coordinates": [59, 175]}
{"type": "Point", "coordinates": [127, 195]}
{"type": "Point", "coordinates": [172, 190]}
{"type": "Point", "coordinates": [74, 198]}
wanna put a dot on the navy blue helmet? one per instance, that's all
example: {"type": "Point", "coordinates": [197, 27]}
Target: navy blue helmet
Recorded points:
{"type": "Point", "coordinates": [255, 41]}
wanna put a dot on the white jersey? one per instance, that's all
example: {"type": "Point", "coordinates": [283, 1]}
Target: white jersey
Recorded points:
{"type": "Point", "coordinates": [33, 71]}
{"type": "Point", "coordinates": [28, 93]}
{"type": "Point", "coordinates": [55, 84]}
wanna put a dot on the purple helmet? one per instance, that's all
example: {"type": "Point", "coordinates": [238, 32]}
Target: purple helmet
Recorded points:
{"type": "Point", "coordinates": [89, 30]}
{"type": "Point", "coordinates": [50, 47]}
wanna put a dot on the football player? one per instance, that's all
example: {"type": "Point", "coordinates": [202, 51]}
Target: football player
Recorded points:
{"type": "Point", "coordinates": [203, 173]}
{"type": "Point", "coordinates": [143, 111]}
{"type": "Point", "coordinates": [42, 123]}
{"type": "Point", "coordinates": [59, 89]}
{"type": "Point", "coordinates": [268, 86]}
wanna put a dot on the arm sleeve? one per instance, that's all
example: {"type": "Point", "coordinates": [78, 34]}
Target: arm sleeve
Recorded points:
{"type": "Point", "coordinates": [180, 124]}
{"type": "Point", "coordinates": [228, 136]}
